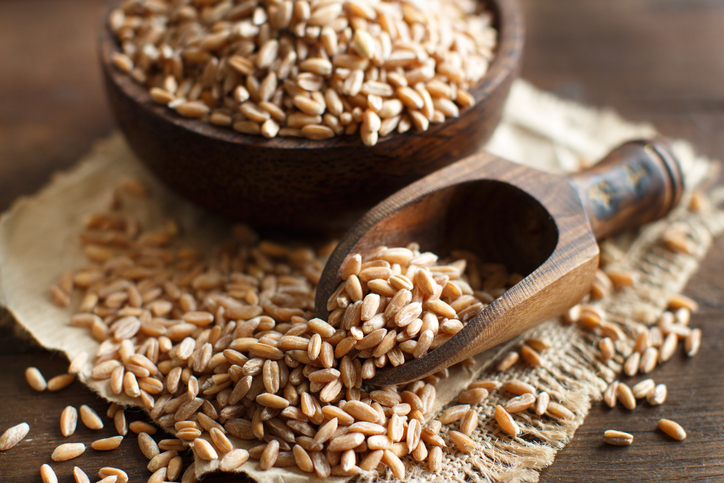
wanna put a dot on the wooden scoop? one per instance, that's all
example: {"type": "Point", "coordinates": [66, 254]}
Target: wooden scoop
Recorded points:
{"type": "Point", "coordinates": [535, 223]}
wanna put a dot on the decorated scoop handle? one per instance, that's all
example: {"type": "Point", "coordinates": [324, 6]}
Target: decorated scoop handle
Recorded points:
{"type": "Point", "coordinates": [639, 182]}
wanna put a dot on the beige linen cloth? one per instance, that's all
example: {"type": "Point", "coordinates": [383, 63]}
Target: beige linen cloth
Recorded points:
{"type": "Point", "coordinates": [38, 242]}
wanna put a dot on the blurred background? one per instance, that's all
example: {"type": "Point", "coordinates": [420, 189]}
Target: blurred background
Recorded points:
{"type": "Point", "coordinates": [657, 61]}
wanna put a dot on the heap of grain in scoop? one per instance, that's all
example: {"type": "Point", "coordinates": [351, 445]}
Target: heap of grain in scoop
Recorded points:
{"type": "Point", "coordinates": [224, 347]}
{"type": "Point", "coordinates": [314, 69]}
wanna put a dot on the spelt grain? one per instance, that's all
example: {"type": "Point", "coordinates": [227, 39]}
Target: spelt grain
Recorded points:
{"type": "Point", "coordinates": [60, 382]}
{"type": "Point", "coordinates": [148, 446]}
{"type": "Point", "coordinates": [47, 474]}
{"type": "Point", "coordinates": [505, 421]}
{"type": "Point", "coordinates": [508, 361]}
{"type": "Point", "coordinates": [90, 418]}
{"type": "Point", "coordinates": [35, 379]}
{"type": "Point", "coordinates": [617, 438]}
{"type": "Point", "coordinates": [79, 475]}
{"type": "Point", "coordinates": [657, 396]}
{"type": "Point", "coordinates": [625, 396]}
{"type": "Point", "coordinates": [107, 444]}
{"type": "Point", "coordinates": [13, 436]}
{"type": "Point", "coordinates": [67, 451]}
{"type": "Point", "coordinates": [672, 429]}
{"type": "Point", "coordinates": [109, 471]}
{"type": "Point", "coordinates": [692, 342]}
{"type": "Point", "coordinates": [204, 450]}
{"type": "Point", "coordinates": [520, 403]}
{"type": "Point", "coordinates": [68, 421]}
{"type": "Point", "coordinates": [643, 388]}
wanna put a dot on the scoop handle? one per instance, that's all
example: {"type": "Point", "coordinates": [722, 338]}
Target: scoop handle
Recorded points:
{"type": "Point", "coordinates": [639, 182]}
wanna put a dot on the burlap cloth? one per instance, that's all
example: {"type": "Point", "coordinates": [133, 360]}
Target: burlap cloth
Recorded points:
{"type": "Point", "coordinates": [39, 240]}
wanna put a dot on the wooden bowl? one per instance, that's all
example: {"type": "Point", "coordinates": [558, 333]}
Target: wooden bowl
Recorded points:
{"type": "Point", "coordinates": [298, 184]}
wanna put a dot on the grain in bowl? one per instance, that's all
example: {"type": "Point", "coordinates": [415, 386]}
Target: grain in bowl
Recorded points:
{"type": "Point", "coordinates": [308, 69]}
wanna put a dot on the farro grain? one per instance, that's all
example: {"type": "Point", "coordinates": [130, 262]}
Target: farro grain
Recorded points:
{"type": "Point", "coordinates": [67, 451]}
{"type": "Point", "coordinates": [505, 421]}
{"type": "Point", "coordinates": [625, 395]}
{"type": "Point", "coordinates": [148, 446]}
{"type": "Point", "coordinates": [560, 411]}
{"type": "Point", "coordinates": [541, 405]}
{"type": "Point", "coordinates": [508, 360]}
{"type": "Point", "coordinates": [643, 388]}
{"type": "Point", "coordinates": [13, 436]}
{"type": "Point", "coordinates": [119, 421]}
{"type": "Point", "coordinates": [668, 347]}
{"type": "Point", "coordinates": [672, 429]}
{"type": "Point", "coordinates": [490, 385]}
{"type": "Point", "coordinates": [643, 341]}
{"type": "Point", "coordinates": [607, 348]}
{"type": "Point", "coordinates": [80, 476]}
{"type": "Point", "coordinates": [463, 442]}
{"type": "Point", "coordinates": [520, 403]}
{"type": "Point", "coordinates": [631, 365]}
{"type": "Point", "coordinates": [90, 418]}
{"type": "Point", "coordinates": [617, 438]}
{"type": "Point", "coordinates": [161, 460]}
{"type": "Point", "coordinates": [469, 422]}
{"type": "Point", "coordinates": [648, 360]}
{"type": "Point", "coordinates": [518, 387]}
{"type": "Point", "coordinates": [142, 427]}
{"type": "Point", "coordinates": [539, 343]}
{"type": "Point", "coordinates": [657, 396]}
{"type": "Point", "coordinates": [158, 476]}
{"type": "Point", "coordinates": [35, 379]}
{"type": "Point", "coordinates": [235, 458]}
{"type": "Point", "coordinates": [678, 301]}
{"type": "Point", "coordinates": [610, 395]}
{"type": "Point", "coordinates": [78, 362]}
{"type": "Point", "coordinates": [47, 474]}
{"type": "Point", "coordinates": [121, 476]}
{"type": "Point", "coordinates": [394, 463]}
{"type": "Point", "coordinates": [204, 450]}
{"type": "Point", "coordinates": [692, 342]}
{"type": "Point", "coordinates": [60, 382]}
{"type": "Point", "coordinates": [107, 444]}
{"type": "Point", "coordinates": [68, 421]}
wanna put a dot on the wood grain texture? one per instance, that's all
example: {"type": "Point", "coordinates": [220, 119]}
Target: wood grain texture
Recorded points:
{"type": "Point", "coordinates": [652, 60]}
{"type": "Point", "coordinates": [299, 184]}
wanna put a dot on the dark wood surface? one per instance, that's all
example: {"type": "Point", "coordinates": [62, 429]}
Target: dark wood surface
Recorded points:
{"type": "Point", "coordinates": [652, 60]}
{"type": "Point", "coordinates": [297, 184]}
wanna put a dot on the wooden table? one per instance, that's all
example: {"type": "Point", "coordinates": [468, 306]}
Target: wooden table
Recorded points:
{"type": "Point", "coordinates": [652, 60]}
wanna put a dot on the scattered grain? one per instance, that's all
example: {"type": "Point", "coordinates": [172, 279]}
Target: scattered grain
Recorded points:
{"type": "Point", "coordinates": [35, 379]}
{"type": "Point", "coordinates": [13, 436]}
{"type": "Point", "coordinates": [47, 474]}
{"type": "Point", "coordinates": [60, 382]}
{"type": "Point", "coordinates": [505, 421]}
{"type": "Point", "coordinates": [617, 438]}
{"type": "Point", "coordinates": [90, 418]}
{"type": "Point", "coordinates": [67, 451]}
{"type": "Point", "coordinates": [107, 444]}
{"type": "Point", "coordinates": [673, 429]}
{"type": "Point", "coordinates": [68, 421]}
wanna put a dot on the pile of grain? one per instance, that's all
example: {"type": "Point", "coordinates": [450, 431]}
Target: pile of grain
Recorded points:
{"type": "Point", "coordinates": [315, 68]}
{"type": "Point", "coordinates": [228, 346]}
{"type": "Point", "coordinates": [224, 347]}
